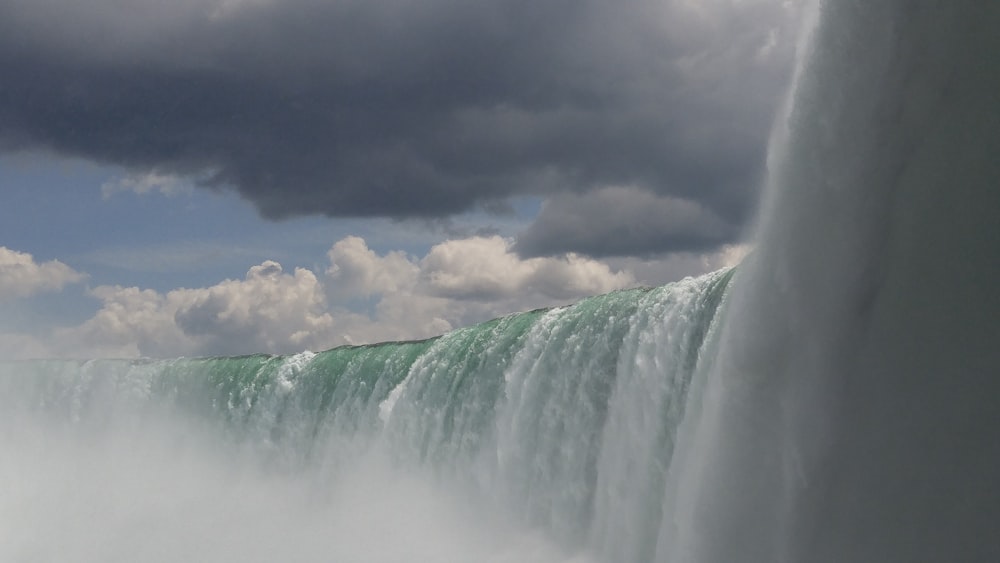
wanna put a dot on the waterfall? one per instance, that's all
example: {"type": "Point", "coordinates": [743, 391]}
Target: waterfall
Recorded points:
{"type": "Point", "coordinates": [850, 414]}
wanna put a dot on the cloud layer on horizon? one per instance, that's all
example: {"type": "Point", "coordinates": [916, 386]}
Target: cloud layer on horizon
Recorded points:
{"type": "Point", "coordinates": [360, 297]}
{"type": "Point", "coordinates": [282, 312]}
{"type": "Point", "coordinates": [426, 109]}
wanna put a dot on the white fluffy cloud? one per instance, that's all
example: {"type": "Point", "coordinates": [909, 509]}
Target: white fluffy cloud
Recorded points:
{"type": "Point", "coordinates": [361, 297]}
{"type": "Point", "coordinates": [659, 270]}
{"type": "Point", "coordinates": [17, 345]}
{"type": "Point", "coordinates": [486, 269]}
{"type": "Point", "coordinates": [457, 283]}
{"type": "Point", "coordinates": [356, 271]}
{"type": "Point", "coordinates": [728, 256]}
{"type": "Point", "coordinates": [21, 276]}
{"type": "Point", "coordinates": [269, 310]}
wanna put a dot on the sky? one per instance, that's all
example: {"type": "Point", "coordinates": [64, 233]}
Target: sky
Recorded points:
{"type": "Point", "coordinates": [209, 177]}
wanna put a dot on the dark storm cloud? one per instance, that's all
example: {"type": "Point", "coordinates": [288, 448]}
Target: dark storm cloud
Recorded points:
{"type": "Point", "coordinates": [404, 109]}
{"type": "Point", "coordinates": [622, 222]}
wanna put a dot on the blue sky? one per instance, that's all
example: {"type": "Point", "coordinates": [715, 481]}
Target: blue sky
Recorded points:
{"type": "Point", "coordinates": [59, 208]}
{"type": "Point", "coordinates": [220, 177]}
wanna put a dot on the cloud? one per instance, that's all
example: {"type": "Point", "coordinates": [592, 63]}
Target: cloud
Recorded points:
{"type": "Point", "coordinates": [657, 270]}
{"type": "Point", "coordinates": [356, 271]}
{"type": "Point", "coordinates": [362, 296]}
{"type": "Point", "coordinates": [269, 310]}
{"type": "Point", "coordinates": [618, 221]}
{"type": "Point", "coordinates": [22, 346]}
{"type": "Point", "coordinates": [728, 256]}
{"type": "Point", "coordinates": [167, 184]}
{"type": "Point", "coordinates": [405, 109]}
{"type": "Point", "coordinates": [21, 276]}
{"type": "Point", "coordinates": [486, 268]}
{"type": "Point", "coordinates": [457, 283]}
{"type": "Point", "coordinates": [266, 311]}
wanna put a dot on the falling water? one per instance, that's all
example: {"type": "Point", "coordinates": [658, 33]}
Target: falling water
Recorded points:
{"type": "Point", "coordinates": [541, 437]}
{"type": "Point", "coordinates": [852, 410]}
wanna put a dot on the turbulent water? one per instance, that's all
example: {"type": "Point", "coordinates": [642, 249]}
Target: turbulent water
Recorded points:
{"type": "Point", "coordinates": [853, 409]}
{"type": "Point", "coordinates": [836, 400]}
{"type": "Point", "coordinates": [536, 437]}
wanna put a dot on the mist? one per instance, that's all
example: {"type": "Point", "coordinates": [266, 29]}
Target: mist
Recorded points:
{"type": "Point", "coordinates": [166, 487]}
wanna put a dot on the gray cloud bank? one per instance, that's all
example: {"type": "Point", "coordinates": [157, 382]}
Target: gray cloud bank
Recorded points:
{"type": "Point", "coordinates": [414, 109]}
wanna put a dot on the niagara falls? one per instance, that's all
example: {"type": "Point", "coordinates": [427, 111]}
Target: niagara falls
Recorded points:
{"type": "Point", "coordinates": [664, 282]}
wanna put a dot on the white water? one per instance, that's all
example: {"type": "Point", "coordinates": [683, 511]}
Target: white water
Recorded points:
{"type": "Point", "coordinates": [165, 493]}
{"type": "Point", "coordinates": [852, 413]}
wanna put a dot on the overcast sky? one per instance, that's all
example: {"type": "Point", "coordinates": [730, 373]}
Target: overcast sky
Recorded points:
{"type": "Point", "coordinates": [228, 176]}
